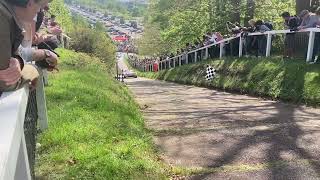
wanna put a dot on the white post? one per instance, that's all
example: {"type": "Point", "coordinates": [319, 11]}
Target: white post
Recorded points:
{"type": "Point", "coordinates": [180, 59]}
{"type": "Point", "coordinates": [195, 56]}
{"type": "Point", "coordinates": [310, 46]}
{"type": "Point", "coordinates": [62, 41]}
{"type": "Point", "coordinates": [45, 77]}
{"type": "Point", "coordinates": [169, 61]}
{"type": "Point", "coordinates": [269, 43]}
{"type": "Point", "coordinates": [41, 103]}
{"type": "Point", "coordinates": [174, 62]}
{"type": "Point", "coordinates": [221, 49]}
{"type": "Point", "coordinates": [22, 167]}
{"type": "Point", "coordinates": [207, 53]}
{"type": "Point", "coordinates": [187, 58]}
{"type": "Point", "coordinates": [240, 46]}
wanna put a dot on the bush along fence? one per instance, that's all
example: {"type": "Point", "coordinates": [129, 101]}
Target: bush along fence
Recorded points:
{"type": "Point", "coordinates": [236, 46]}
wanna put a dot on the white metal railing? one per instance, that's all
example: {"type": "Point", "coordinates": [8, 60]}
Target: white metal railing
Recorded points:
{"type": "Point", "coordinates": [14, 162]}
{"type": "Point", "coordinates": [269, 34]}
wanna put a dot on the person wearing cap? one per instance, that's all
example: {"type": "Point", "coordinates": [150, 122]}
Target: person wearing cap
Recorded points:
{"type": "Point", "coordinates": [310, 20]}
{"type": "Point", "coordinates": [14, 14]}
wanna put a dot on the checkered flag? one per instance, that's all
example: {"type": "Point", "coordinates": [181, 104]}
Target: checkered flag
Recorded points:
{"type": "Point", "coordinates": [211, 72]}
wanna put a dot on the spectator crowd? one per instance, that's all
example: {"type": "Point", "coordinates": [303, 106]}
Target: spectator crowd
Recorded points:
{"type": "Point", "coordinates": [252, 45]}
{"type": "Point", "coordinates": [29, 35]}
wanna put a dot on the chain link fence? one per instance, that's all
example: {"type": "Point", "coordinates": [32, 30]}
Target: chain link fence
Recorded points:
{"type": "Point", "coordinates": [30, 130]}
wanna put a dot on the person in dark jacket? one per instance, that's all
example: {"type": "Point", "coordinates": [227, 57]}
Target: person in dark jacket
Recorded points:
{"type": "Point", "coordinates": [292, 23]}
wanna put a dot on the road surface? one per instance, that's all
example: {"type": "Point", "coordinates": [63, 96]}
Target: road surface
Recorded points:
{"type": "Point", "coordinates": [230, 136]}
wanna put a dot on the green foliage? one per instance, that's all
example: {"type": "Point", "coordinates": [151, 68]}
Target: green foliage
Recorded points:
{"type": "Point", "coordinates": [151, 42]}
{"type": "Point", "coordinates": [186, 21]}
{"type": "Point", "coordinates": [291, 80]}
{"type": "Point", "coordinates": [93, 41]}
{"type": "Point", "coordinates": [96, 130]}
{"type": "Point", "coordinates": [63, 15]}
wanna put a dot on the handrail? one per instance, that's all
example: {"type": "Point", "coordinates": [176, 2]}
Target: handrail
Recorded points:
{"type": "Point", "coordinates": [14, 161]}
{"type": "Point", "coordinates": [311, 30]}
{"type": "Point", "coordinates": [12, 141]}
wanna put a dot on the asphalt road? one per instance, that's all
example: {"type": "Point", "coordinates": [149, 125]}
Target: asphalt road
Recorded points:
{"type": "Point", "coordinates": [230, 136]}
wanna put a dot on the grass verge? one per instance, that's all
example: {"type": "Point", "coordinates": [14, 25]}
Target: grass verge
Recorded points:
{"type": "Point", "coordinates": [95, 130]}
{"type": "Point", "coordinates": [287, 80]}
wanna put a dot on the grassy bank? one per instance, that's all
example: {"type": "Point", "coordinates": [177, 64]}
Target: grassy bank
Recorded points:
{"type": "Point", "coordinates": [288, 80]}
{"type": "Point", "coordinates": [95, 128]}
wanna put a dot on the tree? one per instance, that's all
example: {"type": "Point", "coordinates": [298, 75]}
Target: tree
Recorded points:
{"type": "Point", "coordinates": [302, 4]}
{"type": "Point", "coordinates": [236, 10]}
{"type": "Point", "coordinates": [250, 9]}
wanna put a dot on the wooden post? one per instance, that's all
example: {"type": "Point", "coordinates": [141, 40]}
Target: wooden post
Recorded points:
{"type": "Point", "coordinates": [41, 103]}
{"type": "Point", "coordinates": [269, 43]}
{"type": "Point", "coordinates": [180, 59]}
{"type": "Point", "coordinates": [195, 56]}
{"type": "Point", "coordinates": [310, 46]}
{"type": "Point", "coordinates": [174, 62]}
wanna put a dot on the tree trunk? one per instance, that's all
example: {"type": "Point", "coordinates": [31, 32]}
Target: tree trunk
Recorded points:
{"type": "Point", "coordinates": [236, 6]}
{"type": "Point", "coordinates": [301, 5]}
{"type": "Point", "coordinates": [250, 11]}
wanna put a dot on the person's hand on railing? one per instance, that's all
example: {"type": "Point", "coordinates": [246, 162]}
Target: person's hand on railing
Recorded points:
{"type": "Point", "coordinates": [39, 38]}
{"type": "Point", "coordinates": [12, 74]}
{"type": "Point", "coordinates": [52, 60]}
{"type": "Point", "coordinates": [56, 30]}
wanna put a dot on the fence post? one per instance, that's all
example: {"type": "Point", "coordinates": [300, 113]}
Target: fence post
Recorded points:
{"type": "Point", "coordinates": [269, 43]}
{"type": "Point", "coordinates": [195, 56]}
{"type": "Point", "coordinates": [45, 77]}
{"type": "Point", "coordinates": [221, 49]}
{"type": "Point", "coordinates": [61, 40]}
{"type": "Point", "coordinates": [180, 59]}
{"type": "Point", "coordinates": [174, 62]}
{"type": "Point", "coordinates": [207, 53]}
{"type": "Point", "coordinates": [23, 168]}
{"type": "Point", "coordinates": [169, 62]}
{"type": "Point", "coordinates": [187, 58]}
{"type": "Point", "coordinates": [310, 46]}
{"type": "Point", "coordinates": [240, 46]}
{"type": "Point", "coordinates": [41, 103]}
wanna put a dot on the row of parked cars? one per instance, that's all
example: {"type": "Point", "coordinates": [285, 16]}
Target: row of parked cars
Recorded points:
{"type": "Point", "coordinates": [115, 25]}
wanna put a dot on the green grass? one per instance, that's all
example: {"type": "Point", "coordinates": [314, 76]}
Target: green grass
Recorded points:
{"type": "Point", "coordinates": [287, 80]}
{"type": "Point", "coordinates": [96, 130]}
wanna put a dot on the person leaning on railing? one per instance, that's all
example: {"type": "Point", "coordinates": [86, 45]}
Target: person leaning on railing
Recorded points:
{"type": "Point", "coordinates": [292, 23]}
{"type": "Point", "coordinates": [310, 20]}
{"type": "Point", "coordinates": [13, 14]}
